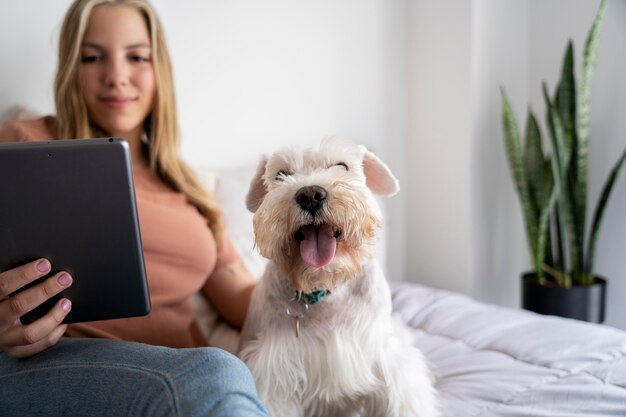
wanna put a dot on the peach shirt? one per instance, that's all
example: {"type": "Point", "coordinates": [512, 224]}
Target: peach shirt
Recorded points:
{"type": "Point", "coordinates": [180, 255]}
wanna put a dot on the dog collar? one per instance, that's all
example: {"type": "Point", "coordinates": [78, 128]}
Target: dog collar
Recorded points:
{"type": "Point", "coordinates": [299, 305]}
{"type": "Point", "coordinates": [313, 297]}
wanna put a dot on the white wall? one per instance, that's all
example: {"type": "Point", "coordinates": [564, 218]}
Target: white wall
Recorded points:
{"type": "Point", "coordinates": [439, 143]}
{"type": "Point", "coordinates": [500, 59]}
{"type": "Point", "coordinates": [28, 42]}
{"type": "Point", "coordinates": [257, 75]}
{"type": "Point", "coordinates": [416, 80]}
{"type": "Point", "coordinates": [251, 76]}
{"type": "Point", "coordinates": [254, 76]}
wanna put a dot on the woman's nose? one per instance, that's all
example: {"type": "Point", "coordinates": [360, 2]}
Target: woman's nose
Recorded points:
{"type": "Point", "coordinates": [116, 72]}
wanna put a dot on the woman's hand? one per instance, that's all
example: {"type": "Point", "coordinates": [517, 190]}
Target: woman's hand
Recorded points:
{"type": "Point", "coordinates": [20, 341]}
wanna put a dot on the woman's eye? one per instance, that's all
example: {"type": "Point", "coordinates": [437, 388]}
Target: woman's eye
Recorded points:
{"type": "Point", "coordinates": [139, 59]}
{"type": "Point", "coordinates": [87, 59]}
{"type": "Point", "coordinates": [343, 164]}
{"type": "Point", "coordinates": [282, 174]}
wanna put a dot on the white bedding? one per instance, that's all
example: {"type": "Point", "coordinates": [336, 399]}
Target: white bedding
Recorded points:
{"type": "Point", "coordinates": [492, 361]}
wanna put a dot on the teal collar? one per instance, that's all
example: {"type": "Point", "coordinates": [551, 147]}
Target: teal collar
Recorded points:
{"type": "Point", "coordinates": [313, 297]}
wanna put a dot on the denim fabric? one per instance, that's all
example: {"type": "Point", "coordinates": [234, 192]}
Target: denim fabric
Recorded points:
{"type": "Point", "coordinates": [94, 377]}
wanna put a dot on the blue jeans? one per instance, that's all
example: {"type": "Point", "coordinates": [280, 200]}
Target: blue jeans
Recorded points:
{"type": "Point", "coordinates": [95, 377]}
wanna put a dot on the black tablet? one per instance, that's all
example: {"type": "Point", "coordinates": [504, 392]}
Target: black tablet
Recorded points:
{"type": "Point", "coordinates": [73, 202]}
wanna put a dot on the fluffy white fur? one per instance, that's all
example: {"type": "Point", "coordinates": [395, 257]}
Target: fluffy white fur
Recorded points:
{"type": "Point", "coordinates": [350, 358]}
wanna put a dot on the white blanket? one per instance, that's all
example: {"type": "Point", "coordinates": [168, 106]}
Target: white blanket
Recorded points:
{"type": "Point", "coordinates": [492, 361]}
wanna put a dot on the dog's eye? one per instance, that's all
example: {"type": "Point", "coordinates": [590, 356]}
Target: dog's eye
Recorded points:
{"type": "Point", "coordinates": [280, 175]}
{"type": "Point", "coordinates": [343, 164]}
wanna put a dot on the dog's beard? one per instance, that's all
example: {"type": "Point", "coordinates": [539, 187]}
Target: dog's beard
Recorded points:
{"type": "Point", "coordinates": [316, 252]}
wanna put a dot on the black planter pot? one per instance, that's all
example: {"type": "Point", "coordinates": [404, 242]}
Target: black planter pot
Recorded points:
{"type": "Point", "coordinates": [581, 302]}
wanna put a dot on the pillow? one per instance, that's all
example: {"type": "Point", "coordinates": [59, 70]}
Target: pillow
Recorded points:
{"type": "Point", "coordinates": [230, 187]}
{"type": "Point", "coordinates": [20, 112]}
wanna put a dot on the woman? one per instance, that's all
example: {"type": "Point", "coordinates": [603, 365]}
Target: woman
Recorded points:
{"type": "Point", "coordinates": [114, 79]}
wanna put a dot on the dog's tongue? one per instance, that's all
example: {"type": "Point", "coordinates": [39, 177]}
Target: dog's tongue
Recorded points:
{"type": "Point", "coordinates": [319, 245]}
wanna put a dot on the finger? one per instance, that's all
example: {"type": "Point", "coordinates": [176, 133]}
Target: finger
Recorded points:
{"type": "Point", "coordinates": [39, 329]}
{"type": "Point", "coordinates": [52, 339]}
{"type": "Point", "coordinates": [14, 279]}
{"type": "Point", "coordinates": [23, 302]}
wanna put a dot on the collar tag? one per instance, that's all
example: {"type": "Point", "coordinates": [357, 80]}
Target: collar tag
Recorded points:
{"type": "Point", "coordinates": [299, 305]}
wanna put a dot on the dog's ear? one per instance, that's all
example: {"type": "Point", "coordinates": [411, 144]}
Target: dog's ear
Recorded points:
{"type": "Point", "coordinates": [257, 190]}
{"type": "Point", "coordinates": [378, 176]}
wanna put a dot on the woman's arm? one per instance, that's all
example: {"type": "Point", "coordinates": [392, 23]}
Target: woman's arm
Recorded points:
{"type": "Point", "coordinates": [229, 289]}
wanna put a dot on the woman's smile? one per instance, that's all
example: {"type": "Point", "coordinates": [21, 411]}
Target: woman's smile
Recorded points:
{"type": "Point", "coordinates": [117, 102]}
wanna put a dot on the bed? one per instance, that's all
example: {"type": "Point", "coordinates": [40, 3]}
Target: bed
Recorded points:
{"type": "Point", "coordinates": [492, 361]}
{"type": "Point", "coordinates": [488, 361]}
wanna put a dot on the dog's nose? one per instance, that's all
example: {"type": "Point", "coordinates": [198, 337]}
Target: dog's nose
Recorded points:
{"type": "Point", "coordinates": [311, 198]}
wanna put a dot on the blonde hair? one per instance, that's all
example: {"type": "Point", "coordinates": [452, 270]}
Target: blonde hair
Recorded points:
{"type": "Point", "coordinates": [161, 126]}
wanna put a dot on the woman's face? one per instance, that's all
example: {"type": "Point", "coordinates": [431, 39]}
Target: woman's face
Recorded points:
{"type": "Point", "coordinates": [115, 72]}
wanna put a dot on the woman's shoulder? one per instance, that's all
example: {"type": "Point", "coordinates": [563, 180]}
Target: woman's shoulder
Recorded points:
{"type": "Point", "coordinates": [31, 130]}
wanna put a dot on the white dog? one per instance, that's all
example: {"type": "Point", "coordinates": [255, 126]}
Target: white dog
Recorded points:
{"type": "Point", "coordinates": [319, 337]}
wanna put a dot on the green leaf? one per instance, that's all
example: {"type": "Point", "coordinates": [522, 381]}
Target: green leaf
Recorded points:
{"type": "Point", "coordinates": [516, 167]}
{"type": "Point", "coordinates": [566, 96]}
{"type": "Point", "coordinates": [561, 152]}
{"type": "Point", "coordinates": [598, 214]}
{"type": "Point", "coordinates": [590, 55]}
{"type": "Point", "coordinates": [543, 241]}
{"type": "Point", "coordinates": [583, 116]}
{"type": "Point", "coordinates": [541, 189]}
{"type": "Point", "coordinates": [566, 105]}
{"type": "Point", "coordinates": [561, 155]}
{"type": "Point", "coordinates": [537, 166]}
{"type": "Point", "coordinates": [576, 209]}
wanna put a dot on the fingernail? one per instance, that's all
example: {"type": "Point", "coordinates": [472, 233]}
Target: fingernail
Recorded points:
{"type": "Point", "coordinates": [64, 280]}
{"type": "Point", "coordinates": [43, 266]}
{"type": "Point", "coordinates": [66, 305]}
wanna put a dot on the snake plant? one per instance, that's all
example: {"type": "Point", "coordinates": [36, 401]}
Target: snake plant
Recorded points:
{"type": "Point", "coordinates": [552, 188]}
